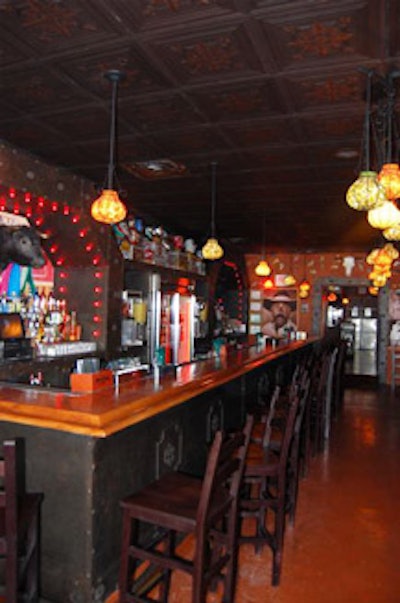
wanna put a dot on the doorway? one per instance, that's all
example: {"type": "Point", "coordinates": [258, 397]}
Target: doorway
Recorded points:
{"type": "Point", "coordinates": [361, 318]}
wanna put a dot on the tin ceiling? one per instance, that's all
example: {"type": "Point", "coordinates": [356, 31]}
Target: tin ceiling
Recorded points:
{"type": "Point", "coordinates": [271, 90]}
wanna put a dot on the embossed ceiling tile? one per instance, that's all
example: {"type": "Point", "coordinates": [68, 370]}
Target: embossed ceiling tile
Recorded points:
{"type": "Point", "coordinates": [36, 90]}
{"type": "Point", "coordinates": [55, 25]}
{"type": "Point", "coordinates": [12, 50]}
{"type": "Point", "coordinates": [65, 154]}
{"type": "Point", "coordinates": [217, 53]}
{"type": "Point", "coordinates": [332, 127]}
{"type": "Point", "coordinates": [137, 148]}
{"type": "Point", "coordinates": [287, 157]}
{"type": "Point", "coordinates": [242, 100]}
{"type": "Point", "coordinates": [31, 131]}
{"type": "Point", "coordinates": [87, 123]}
{"type": "Point", "coordinates": [325, 33]}
{"type": "Point", "coordinates": [254, 133]}
{"type": "Point", "coordinates": [159, 113]}
{"type": "Point", "coordinates": [89, 70]}
{"type": "Point", "coordinates": [321, 154]}
{"type": "Point", "coordinates": [8, 111]}
{"type": "Point", "coordinates": [327, 91]}
{"type": "Point", "coordinates": [191, 141]}
{"type": "Point", "coordinates": [150, 14]}
{"type": "Point", "coordinates": [394, 30]}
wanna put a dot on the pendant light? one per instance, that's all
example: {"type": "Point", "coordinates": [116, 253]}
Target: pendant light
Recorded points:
{"type": "Point", "coordinates": [304, 286]}
{"type": "Point", "coordinates": [212, 250]}
{"type": "Point", "coordinates": [385, 216]}
{"type": "Point", "coordinates": [389, 176]}
{"type": "Point", "coordinates": [366, 193]}
{"type": "Point", "coordinates": [392, 233]}
{"type": "Point", "coordinates": [290, 279]}
{"type": "Point", "coordinates": [263, 268]}
{"type": "Point", "coordinates": [108, 207]}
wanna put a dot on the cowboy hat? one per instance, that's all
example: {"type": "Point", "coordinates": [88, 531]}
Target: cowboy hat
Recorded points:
{"type": "Point", "coordinates": [280, 296]}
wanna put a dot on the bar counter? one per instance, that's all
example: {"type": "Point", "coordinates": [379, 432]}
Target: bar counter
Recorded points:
{"type": "Point", "coordinates": [106, 411]}
{"type": "Point", "coordinates": [87, 451]}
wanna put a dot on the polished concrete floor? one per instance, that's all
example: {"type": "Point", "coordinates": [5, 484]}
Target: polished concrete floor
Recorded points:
{"type": "Point", "coordinates": [345, 546]}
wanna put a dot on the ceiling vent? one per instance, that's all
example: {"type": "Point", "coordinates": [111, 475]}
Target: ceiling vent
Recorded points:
{"type": "Point", "coordinates": [156, 169]}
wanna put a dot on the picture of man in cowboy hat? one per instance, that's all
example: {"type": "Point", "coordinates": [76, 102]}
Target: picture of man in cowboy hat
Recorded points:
{"type": "Point", "coordinates": [278, 314]}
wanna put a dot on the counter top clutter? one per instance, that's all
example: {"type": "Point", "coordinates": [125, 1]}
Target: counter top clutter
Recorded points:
{"type": "Point", "coordinates": [139, 397]}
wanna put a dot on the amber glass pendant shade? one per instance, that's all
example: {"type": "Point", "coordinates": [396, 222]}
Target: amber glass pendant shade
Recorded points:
{"type": "Point", "coordinates": [212, 250]}
{"type": "Point", "coordinates": [263, 268]}
{"type": "Point", "coordinates": [392, 233]}
{"type": "Point", "coordinates": [289, 280]}
{"type": "Point", "coordinates": [389, 178]}
{"type": "Point", "coordinates": [365, 193]}
{"type": "Point", "coordinates": [379, 281]}
{"type": "Point", "coordinates": [108, 208]}
{"type": "Point", "coordinates": [385, 216]}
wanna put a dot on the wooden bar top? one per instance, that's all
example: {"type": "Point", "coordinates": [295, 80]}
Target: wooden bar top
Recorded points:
{"type": "Point", "coordinates": [107, 411]}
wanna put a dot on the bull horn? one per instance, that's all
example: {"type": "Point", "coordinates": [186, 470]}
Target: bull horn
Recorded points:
{"type": "Point", "coordinates": [43, 235]}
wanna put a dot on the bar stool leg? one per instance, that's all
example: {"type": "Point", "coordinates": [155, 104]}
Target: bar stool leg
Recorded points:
{"type": "Point", "coordinates": [170, 540]}
{"type": "Point", "coordinates": [127, 565]}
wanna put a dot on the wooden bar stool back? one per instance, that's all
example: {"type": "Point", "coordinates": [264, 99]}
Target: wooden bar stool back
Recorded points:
{"type": "Point", "coordinates": [19, 527]}
{"type": "Point", "coordinates": [264, 496]}
{"type": "Point", "coordinates": [179, 504]}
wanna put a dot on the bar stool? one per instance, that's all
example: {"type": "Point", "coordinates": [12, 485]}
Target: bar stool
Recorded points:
{"type": "Point", "coordinates": [322, 398]}
{"type": "Point", "coordinates": [264, 491]}
{"type": "Point", "coordinates": [182, 504]}
{"type": "Point", "coordinates": [19, 527]}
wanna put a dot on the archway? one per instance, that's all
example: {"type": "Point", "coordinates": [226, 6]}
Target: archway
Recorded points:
{"type": "Point", "coordinates": [320, 288]}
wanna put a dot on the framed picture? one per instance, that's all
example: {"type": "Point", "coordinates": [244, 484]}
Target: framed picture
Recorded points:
{"type": "Point", "coordinates": [279, 312]}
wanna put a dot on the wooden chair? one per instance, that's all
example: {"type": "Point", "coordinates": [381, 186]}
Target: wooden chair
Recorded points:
{"type": "Point", "coordinates": [19, 527]}
{"type": "Point", "coordinates": [262, 426]}
{"type": "Point", "coordinates": [264, 493]}
{"type": "Point", "coordinates": [179, 504]}
{"type": "Point", "coordinates": [339, 378]}
{"type": "Point", "coordinates": [294, 456]}
{"type": "Point", "coordinates": [321, 397]}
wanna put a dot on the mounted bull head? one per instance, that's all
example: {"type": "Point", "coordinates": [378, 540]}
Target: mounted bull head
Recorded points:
{"type": "Point", "coordinates": [21, 245]}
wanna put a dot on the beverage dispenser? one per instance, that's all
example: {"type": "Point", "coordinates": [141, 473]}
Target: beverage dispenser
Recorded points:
{"type": "Point", "coordinates": [172, 320]}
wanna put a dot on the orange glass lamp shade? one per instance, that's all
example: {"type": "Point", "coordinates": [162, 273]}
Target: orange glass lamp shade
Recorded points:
{"type": "Point", "coordinates": [379, 281]}
{"type": "Point", "coordinates": [262, 268]}
{"type": "Point", "coordinates": [305, 285]}
{"type": "Point", "coordinates": [289, 280]}
{"type": "Point", "coordinates": [212, 250]}
{"type": "Point", "coordinates": [366, 193]}
{"type": "Point", "coordinates": [269, 284]}
{"type": "Point", "coordinates": [304, 289]}
{"type": "Point", "coordinates": [376, 274]}
{"type": "Point", "coordinates": [384, 216]}
{"type": "Point", "coordinates": [108, 208]}
{"type": "Point", "coordinates": [389, 178]}
{"type": "Point", "coordinates": [392, 233]}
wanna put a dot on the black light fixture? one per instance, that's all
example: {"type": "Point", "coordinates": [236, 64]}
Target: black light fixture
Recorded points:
{"type": "Point", "coordinates": [365, 193]}
{"type": "Point", "coordinates": [263, 268]}
{"type": "Point", "coordinates": [108, 207]}
{"type": "Point", "coordinates": [212, 250]}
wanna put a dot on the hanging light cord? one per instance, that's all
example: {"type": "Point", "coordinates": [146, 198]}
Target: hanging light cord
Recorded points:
{"type": "Point", "coordinates": [263, 236]}
{"type": "Point", "coordinates": [367, 121]}
{"type": "Point", "coordinates": [114, 77]}
{"type": "Point", "coordinates": [213, 196]}
{"type": "Point", "coordinates": [391, 95]}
